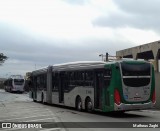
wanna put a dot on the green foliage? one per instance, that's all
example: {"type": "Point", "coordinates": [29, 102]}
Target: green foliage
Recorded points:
{"type": "Point", "coordinates": [2, 58]}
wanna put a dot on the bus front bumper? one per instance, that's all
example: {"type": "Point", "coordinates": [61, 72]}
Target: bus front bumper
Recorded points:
{"type": "Point", "coordinates": [127, 107]}
{"type": "Point", "coordinates": [17, 89]}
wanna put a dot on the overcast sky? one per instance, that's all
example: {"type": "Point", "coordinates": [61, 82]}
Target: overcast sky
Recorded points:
{"type": "Point", "coordinates": [38, 33]}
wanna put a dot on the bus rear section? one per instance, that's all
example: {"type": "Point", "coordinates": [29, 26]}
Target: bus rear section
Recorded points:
{"type": "Point", "coordinates": [135, 89]}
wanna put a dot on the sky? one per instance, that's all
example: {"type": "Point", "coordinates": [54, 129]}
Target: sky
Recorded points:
{"type": "Point", "coordinates": [38, 33]}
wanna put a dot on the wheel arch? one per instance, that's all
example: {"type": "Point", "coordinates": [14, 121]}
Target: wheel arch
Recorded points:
{"type": "Point", "coordinates": [86, 102]}
{"type": "Point", "coordinates": [76, 100]}
{"type": "Point", "coordinates": [87, 98]}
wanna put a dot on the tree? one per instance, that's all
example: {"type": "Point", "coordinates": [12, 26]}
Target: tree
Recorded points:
{"type": "Point", "coordinates": [2, 58]}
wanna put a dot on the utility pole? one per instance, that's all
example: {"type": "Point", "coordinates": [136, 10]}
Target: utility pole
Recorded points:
{"type": "Point", "coordinates": [106, 56]}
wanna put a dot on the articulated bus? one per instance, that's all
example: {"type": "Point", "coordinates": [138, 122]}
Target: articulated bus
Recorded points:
{"type": "Point", "coordinates": [122, 85]}
{"type": "Point", "coordinates": [15, 83]}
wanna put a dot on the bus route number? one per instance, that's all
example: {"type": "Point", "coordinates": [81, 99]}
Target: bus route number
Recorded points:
{"type": "Point", "coordinates": [88, 92]}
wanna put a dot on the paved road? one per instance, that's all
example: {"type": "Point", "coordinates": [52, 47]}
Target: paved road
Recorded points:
{"type": "Point", "coordinates": [6, 97]}
{"type": "Point", "coordinates": [20, 108]}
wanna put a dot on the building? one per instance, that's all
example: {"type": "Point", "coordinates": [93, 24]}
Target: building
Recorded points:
{"type": "Point", "coordinates": [27, 81]}
{"type": "Point", "coordinates": [28, 74]}
{"type": "Point", "coordinates": [151, 52]}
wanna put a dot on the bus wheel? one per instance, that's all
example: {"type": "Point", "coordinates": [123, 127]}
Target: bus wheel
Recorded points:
{"type": "Point", "coordinates": [79, 104]}
{"type": "Point", "coordinates": [33, 98]}
{"type": "Point", "coordinates": [10, 90]}
{"type": "Point", "coordinates": [42, 98]}
{"type": "Point", "coordinates": [32, 95]}
{"type": "Point", "coordinates": [89, 105]}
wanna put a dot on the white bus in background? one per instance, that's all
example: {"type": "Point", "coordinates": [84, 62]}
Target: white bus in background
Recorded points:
{"type": "Point", "coordinates": [15, 83]}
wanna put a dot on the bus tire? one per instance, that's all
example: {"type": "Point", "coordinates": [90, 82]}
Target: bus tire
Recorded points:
{"type": "Point", "coordinates": [79, 104]}
{"type": "Point", "coordinates": [42, 98]}
{"type": "Point", "coordinates": [89, 105]}
{"type": "Point", "coordinates": [33, 98]}
{"type": "Point", "coordinates": [10, 90]}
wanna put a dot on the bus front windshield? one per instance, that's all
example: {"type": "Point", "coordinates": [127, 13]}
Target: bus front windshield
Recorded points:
{"type": "Point", "coordinates": [18, 81]}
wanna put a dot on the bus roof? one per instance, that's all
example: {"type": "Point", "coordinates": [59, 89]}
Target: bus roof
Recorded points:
{"type": "Point", "coordinates": [39, 71]}
{"type": "Point", "coordinates": [78, 65]}
{"type": "Point", "coordinates": [16, 77]}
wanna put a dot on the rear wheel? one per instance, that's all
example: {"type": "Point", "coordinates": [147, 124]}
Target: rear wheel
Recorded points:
{"type": "Point", "coordinates": [79, 104]}
{"type": "Point", "coordinates": [89, 105]}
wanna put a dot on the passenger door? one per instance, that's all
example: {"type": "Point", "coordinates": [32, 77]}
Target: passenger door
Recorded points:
{"type": "Point", "coordinates": [61, 87]}
{"type": "Point", "coordinates": [99, 82]}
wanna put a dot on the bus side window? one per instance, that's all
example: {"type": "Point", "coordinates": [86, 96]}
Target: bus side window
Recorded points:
{"type": "Point", "coordinates": [55, 81]}
{"type": "Point", "coordinates": [5, 83]}
{"type": "Point", "coordinates": [43, 79]}
{"type": "Point", "coordinates": [38, 81]}
{"type": "Point", "coordinates": [89, 78]}
{"type": "Point", "coordinates": [66, 82]}
{"type": "Point", "coordinates": [79, 78]}
{"type": "Point", "coordinates": [10, 82]}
